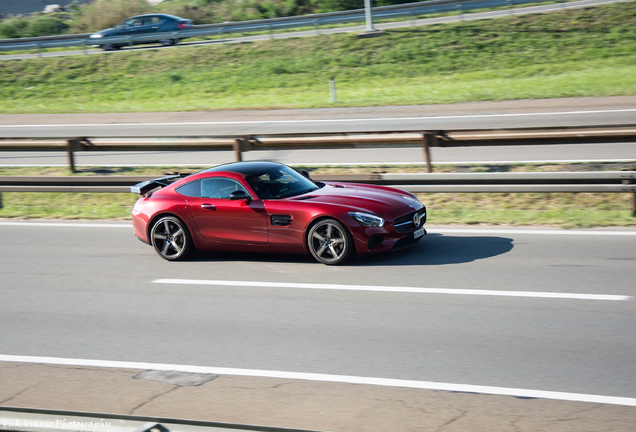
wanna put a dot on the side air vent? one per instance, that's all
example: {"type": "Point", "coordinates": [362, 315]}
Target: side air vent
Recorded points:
{"type": "Point", "coordinates": [306, 197]}
{"type": "Point", "coordinates": [281, 220]}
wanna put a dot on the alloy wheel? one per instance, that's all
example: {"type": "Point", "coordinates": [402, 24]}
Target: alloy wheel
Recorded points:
{"type": "Point", "coordinates": [171, 239]}
{"type": "Point", "coordinates": [329, 242]}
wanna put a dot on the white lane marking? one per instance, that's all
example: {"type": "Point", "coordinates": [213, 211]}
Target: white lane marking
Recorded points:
{"type": "Point", "coordinates": [534, 294]}
{"type": "Point", "coordinates": [374, 119]}
{"type": "Point", "coordinates": [65, 224]}
{"type": "Point", "coordinates": [387, 382]}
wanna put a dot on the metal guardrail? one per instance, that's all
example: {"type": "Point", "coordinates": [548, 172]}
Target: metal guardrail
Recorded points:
{"type": "Point", "coordinates": [537, 182]}
{"type": "Point", "coordinates": [269, 25]}
{"type": "Point", "coordinates": [594, 181]}
{"type": "Point", "coordinates": [241, 144]}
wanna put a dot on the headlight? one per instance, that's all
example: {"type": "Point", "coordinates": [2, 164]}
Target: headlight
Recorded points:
{"type": "Point", "coordinates": [367, 219]}
{"type": "Point", "coordinates": [95, 36]}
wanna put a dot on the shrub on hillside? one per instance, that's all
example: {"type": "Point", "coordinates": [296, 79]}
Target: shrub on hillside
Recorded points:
{"type": "Point", "coordinates": [103, 14]}
{"type": "Point", "coordinates": [34, 26]}
{"type": "Point", "coordinates": [198, 14]}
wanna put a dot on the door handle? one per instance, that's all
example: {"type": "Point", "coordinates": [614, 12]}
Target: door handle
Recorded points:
{"type": "Point", "coordinates": [208, 206]}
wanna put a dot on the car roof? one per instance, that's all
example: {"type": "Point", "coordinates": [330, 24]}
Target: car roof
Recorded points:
{"type": "Point", "coordinates": [158, 14]}
{"type": "Point", "coordinates": [245, 168]}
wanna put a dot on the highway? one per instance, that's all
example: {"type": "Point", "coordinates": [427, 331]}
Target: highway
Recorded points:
{"type": "Point", "coordinates": [413, 155]}
{"type": "Point", "coordinates": [462, 116]}
{"type": "Point", "coordinates": [92, 291]}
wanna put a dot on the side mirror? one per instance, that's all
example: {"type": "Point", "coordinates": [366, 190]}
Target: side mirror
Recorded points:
{"type": "Point", "coordinates": [240, 195]}
{"type": "Point", "coordinates": [304, 173]}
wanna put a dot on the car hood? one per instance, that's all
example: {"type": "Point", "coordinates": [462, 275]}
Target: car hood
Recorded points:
{"type": "Point", "coordinates": [362, 197]}
{"type": "Point", "coordinates": [106, 32]}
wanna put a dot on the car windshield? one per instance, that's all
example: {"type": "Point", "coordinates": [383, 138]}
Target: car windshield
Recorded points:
{"type": "Point", "coordinates": [280, 182]}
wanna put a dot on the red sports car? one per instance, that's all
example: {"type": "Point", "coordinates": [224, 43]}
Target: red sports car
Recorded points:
{"type": "Point", "coordinates": [270, 207]}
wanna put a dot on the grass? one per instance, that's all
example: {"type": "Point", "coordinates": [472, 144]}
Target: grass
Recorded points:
{"type": "Point", "coordinates": [584, 52]}
{"type": "Point", "coordinates": [279, 31]}
{"type": "Point", "coordinates": [565, 210]}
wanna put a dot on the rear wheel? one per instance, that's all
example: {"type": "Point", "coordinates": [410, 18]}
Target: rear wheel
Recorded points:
{"type": "Point", "coordinates": [329, 242]}
{"type": "Point", "coordinates": [168, 42]}
{"type": "Point", "coordinates": [109, 47]}
{"type": "Point", "coordinates": [171, 239]}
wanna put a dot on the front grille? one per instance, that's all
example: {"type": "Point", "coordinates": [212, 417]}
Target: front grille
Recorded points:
{"type": "Point", "coordinates": [375, 240]}
{"type": "Point", "coordinates": [405, 223]}
{"type": "Point", "coordinates": [405, 242]}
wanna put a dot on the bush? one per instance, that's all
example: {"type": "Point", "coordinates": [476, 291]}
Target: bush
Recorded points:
{"type": "Point", "coordinates": [103, 14]}
{"type": "Point", "coordinates": [37, 25]}
{"type": "Point", "coordinates": [13, 27]}
{"type": "Point", "coordinates": [47, 25]}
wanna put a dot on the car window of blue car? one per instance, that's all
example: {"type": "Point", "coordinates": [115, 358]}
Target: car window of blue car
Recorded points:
{"type": "Point", "coordinates": [129, 22]}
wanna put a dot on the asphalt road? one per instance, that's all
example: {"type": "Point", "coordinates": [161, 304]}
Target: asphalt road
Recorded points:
{"type": "Point", "coordinates": [76, 290]}
{"type": "Point", "coordinates": [625, 152]}
{"type": "Point", "coordinates": [462, 116]}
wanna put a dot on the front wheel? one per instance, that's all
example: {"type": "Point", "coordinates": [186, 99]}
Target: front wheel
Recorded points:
{"type": "Point", "coordinates": [330, 242]}
{"type": "Point", "coordinates": [171, 239]}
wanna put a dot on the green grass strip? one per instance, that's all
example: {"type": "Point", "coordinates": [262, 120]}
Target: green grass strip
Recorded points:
{"type": "Point", "coordinates": [583, 52]}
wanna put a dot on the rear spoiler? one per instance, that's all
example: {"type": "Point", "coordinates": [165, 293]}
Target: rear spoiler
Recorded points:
{"type": "Point", "coordinates": [146, 186]}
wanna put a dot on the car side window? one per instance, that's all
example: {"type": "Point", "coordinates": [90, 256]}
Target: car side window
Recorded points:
{"type": "Point", "coordinates": [220, 187]}
{"type": "Point", "coordinates": [130, 22]}
{"type": "Point", "coordinates": [157, 20]}
{"type": "Point", "coordinates": [192, 189]}
{"type": "Point", "coordinates": [147, 21]}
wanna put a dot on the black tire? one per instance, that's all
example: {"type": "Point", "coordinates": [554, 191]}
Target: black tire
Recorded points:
{"type": "Point", "coordinates": [329, 242]}
{"type": "Point", "coordinates": [171, 239]}
{"type": "Point", "coordinates": [168, 42]}
{"type": "Point", "coordinates": [110, 47]}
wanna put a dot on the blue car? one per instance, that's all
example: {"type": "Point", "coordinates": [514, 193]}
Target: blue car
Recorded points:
{"type": "Point", "coordinates": [143, 25]}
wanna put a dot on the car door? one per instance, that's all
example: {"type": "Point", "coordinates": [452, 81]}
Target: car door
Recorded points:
{"type": "Point", "coordinates": [145, 25]}
{"type": "Point", "coordinates": [220, 219]}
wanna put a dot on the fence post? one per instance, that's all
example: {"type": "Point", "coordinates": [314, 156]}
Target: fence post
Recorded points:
{"type": "Point", "coordinates": [0, 200]}
{"type": "Point", "coordinates": [429, 139]}
{"type": "Point", "coordinates": [332, 89]}
{"type": "Point", "coordinates": [238, 148]}
{"type": "Point", "coordinates": [71, 146]}
{"type": "Point", "coordinates": [629, 182]}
